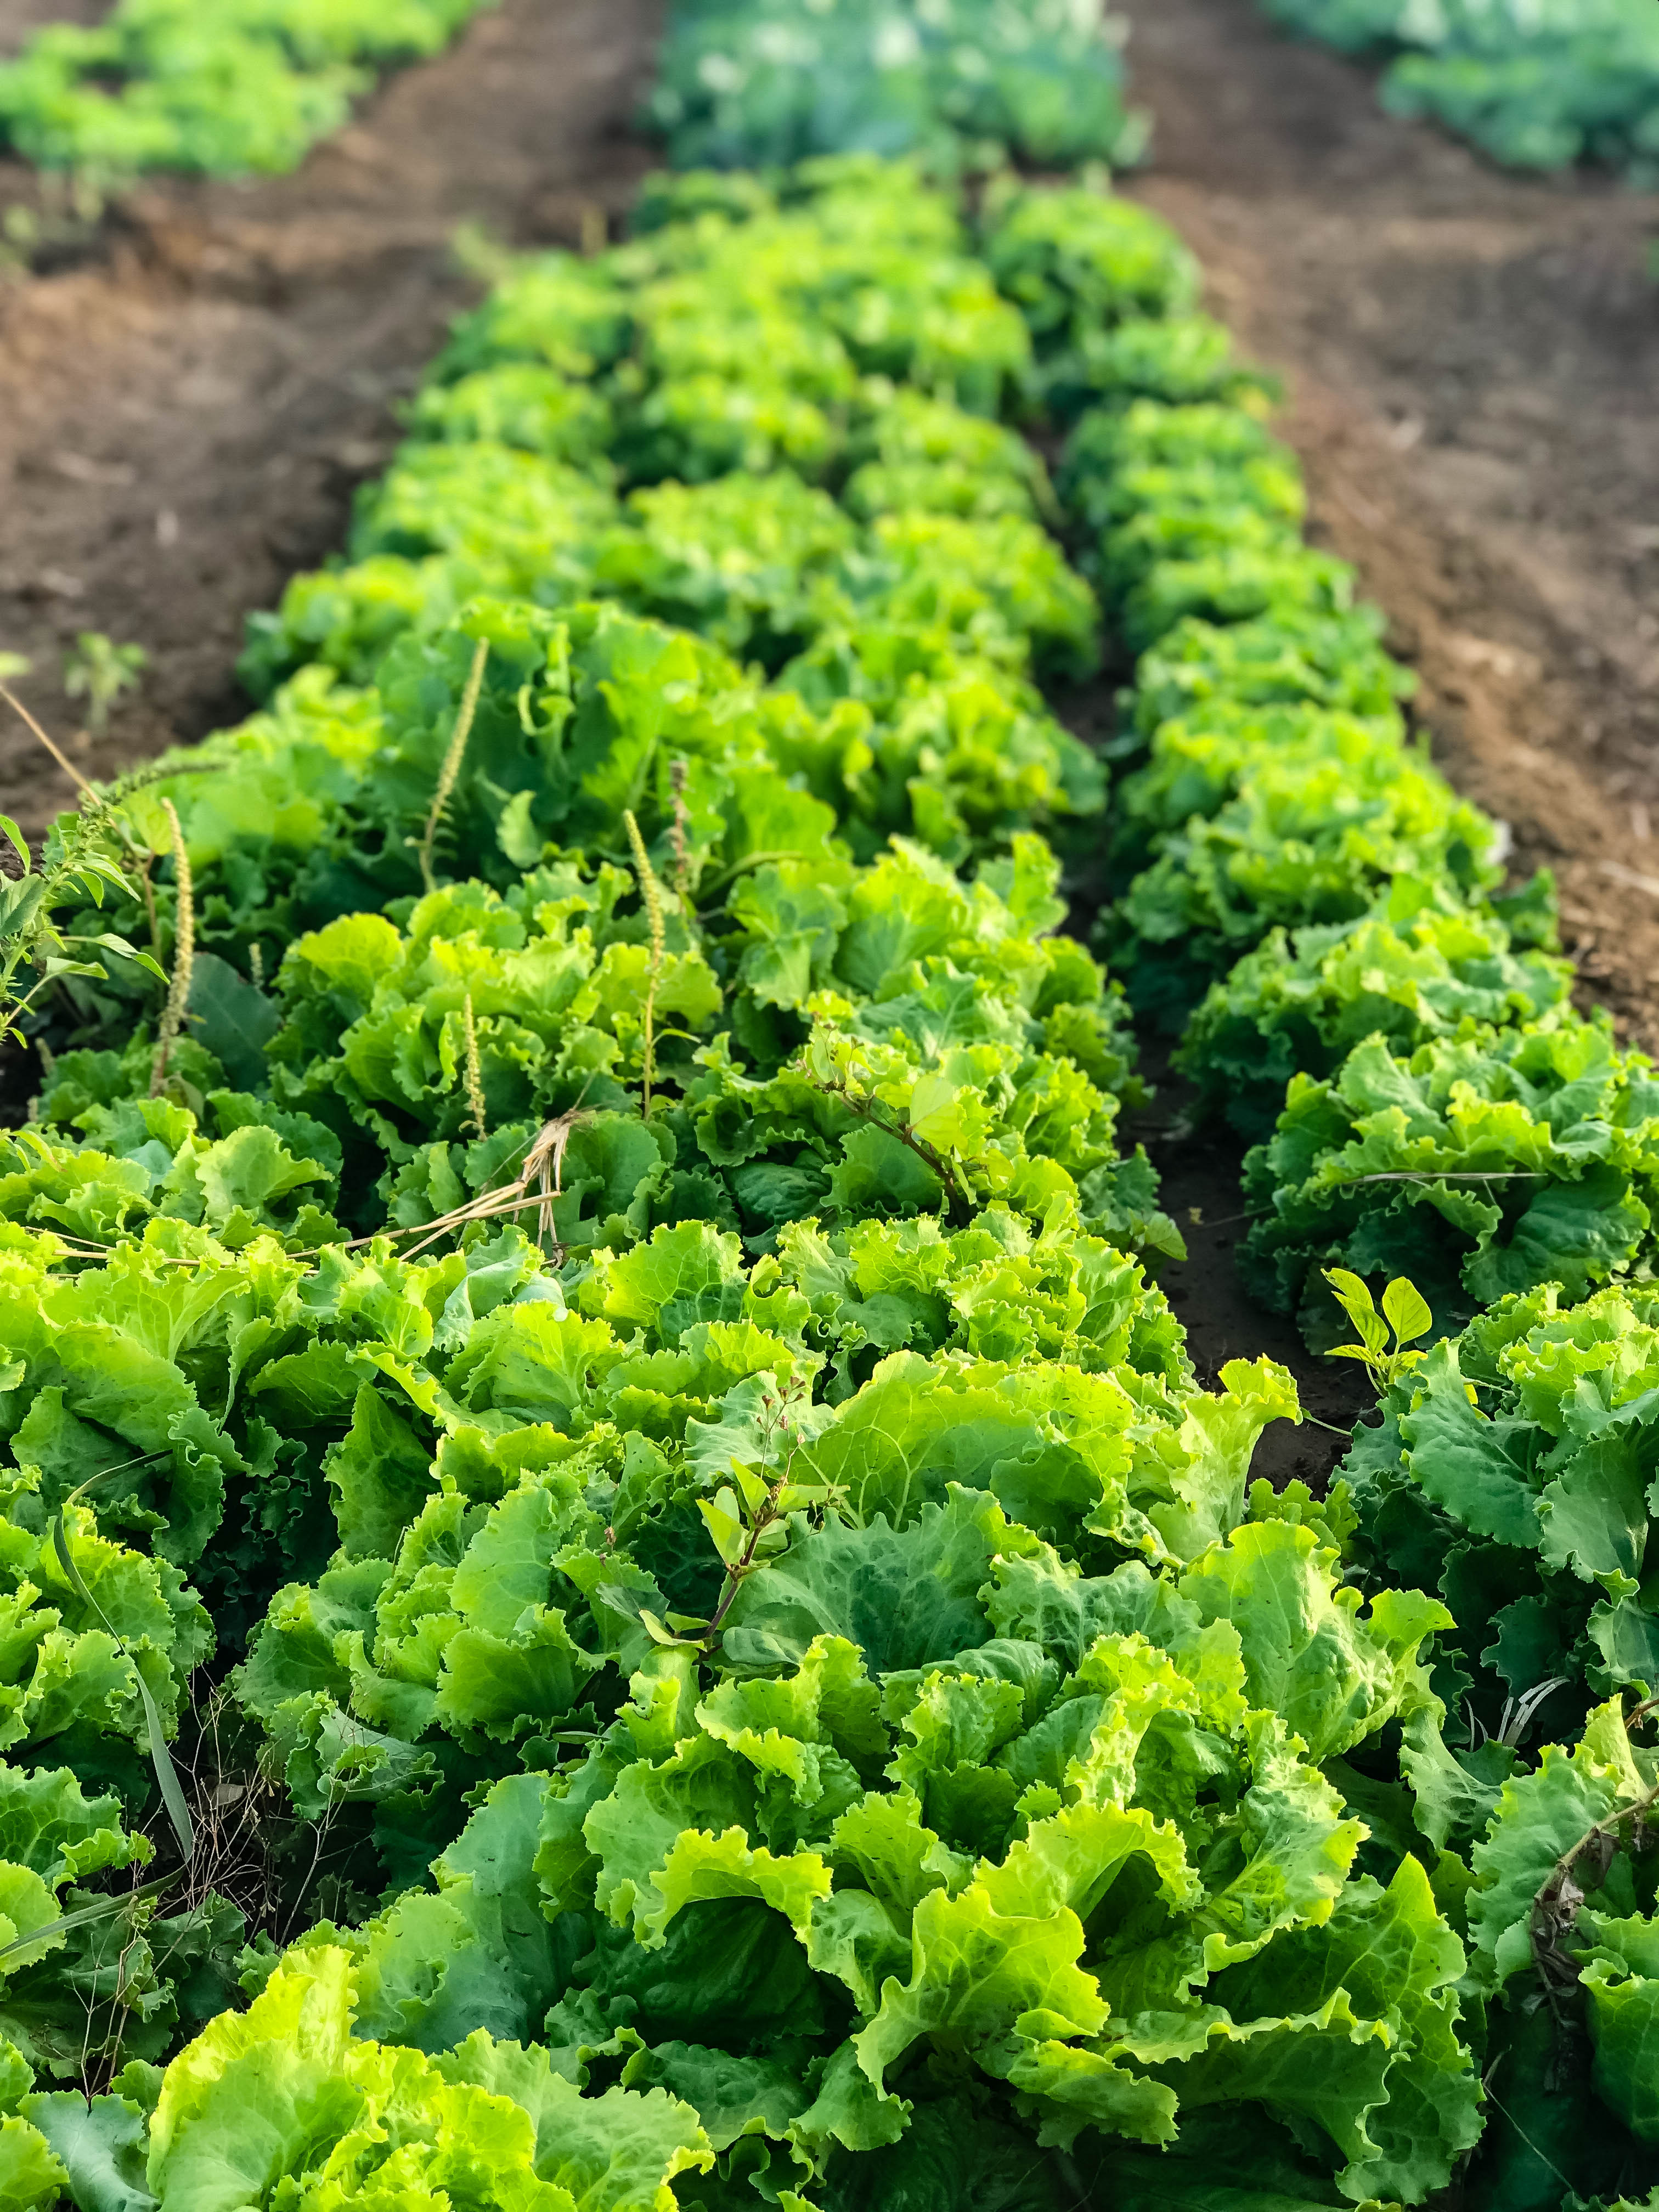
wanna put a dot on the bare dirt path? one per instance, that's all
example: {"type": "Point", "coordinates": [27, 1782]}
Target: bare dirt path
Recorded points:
{"type": "Point", "coordinates": [18, 18]}
{"type": "Point", "coordinates": [1472, 359]}
{"type": "Point", "coordinates": [183, 415]}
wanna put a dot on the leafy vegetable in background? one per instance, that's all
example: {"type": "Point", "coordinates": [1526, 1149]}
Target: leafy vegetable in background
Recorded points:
{"type": "Point", "coordinates": [1195, 767]}
{"type": "Point", "coordinates": [926, 454]}
{"type": "Point", "coordinates": [1078, 262]}
{"type": "Point", "coordinates": [1285, 658]}
{"type": "Point", "coordinates": [1154, 462]}
{"type": "Point", "coordinates": [1108, 290]}
{"type": "Point", "coordinates": [1534, 86]}
{"type": "Point", "coordinates": [1279, 790]}
{"type": "Point", "coordinates": [746, 84]}
{"type": "Point", "coordinates": [730, 357]}
{"type": "Point", "coordinates": [1310, 832]}
{"type": "Point", "coordinates": [580, 716]}
{"type": "Point", "coordinates": [220, 86]}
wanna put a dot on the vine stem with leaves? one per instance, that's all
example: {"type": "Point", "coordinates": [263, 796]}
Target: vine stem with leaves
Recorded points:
{"type": "Point", "coordinates": [958, 1197]}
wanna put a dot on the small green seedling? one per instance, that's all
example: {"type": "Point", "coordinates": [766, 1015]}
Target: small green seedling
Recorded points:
{"type": "Point", "coordinates": [99, 671]}
{"type": "Point", "coordinates": [1405, 1315]}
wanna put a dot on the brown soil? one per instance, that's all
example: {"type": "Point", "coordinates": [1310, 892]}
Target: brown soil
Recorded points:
{"type": "Point", "coordinates": [185, 413]}
{"type": "Point", "coordinates": [1200, 1191]}
{"type": "Point", "coordinates": [18, 18]}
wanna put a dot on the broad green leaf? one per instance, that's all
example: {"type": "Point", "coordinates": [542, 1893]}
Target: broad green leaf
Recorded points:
{"type": "Point", "coordinates": [1406, 1311]}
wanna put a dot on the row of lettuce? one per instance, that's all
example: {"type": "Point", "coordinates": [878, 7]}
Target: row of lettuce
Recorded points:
{"type": "Point", "coordinates": [752, 1529]}
{"type": "Point", "coordinates": [223, 87]}
{"type": "Point", "coordinates": [751, 84]}
{"type": "Point", "coordinates": [228, 87]}
{"type": "Point", "coordinates": [1536, 84]}
{"type": "Point", "coordinates": [234, 87]}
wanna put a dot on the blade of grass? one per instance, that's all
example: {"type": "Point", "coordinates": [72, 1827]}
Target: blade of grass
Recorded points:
{"type": "Point", "coordinates": [106, 1908]}
{"type": "Point", "coordinates": [166, 1774]}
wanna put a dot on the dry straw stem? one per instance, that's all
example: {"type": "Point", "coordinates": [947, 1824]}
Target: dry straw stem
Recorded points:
{"type": "Point", "coordinates": [184, 955]}
{"type": "Point", "coordinates": [449, 774]}
{"type": "Point", "coordinates": [61, 759]}
{"type": "Point", "coordinates": [543, 1166]}
{"type": "Point", "coordinates": [651, 892]}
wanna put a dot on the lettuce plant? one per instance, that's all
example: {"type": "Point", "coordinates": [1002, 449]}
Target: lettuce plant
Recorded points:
{"type": "Point", "coordinates": [1151, 460]}
{"type": "Point", "coordinates": [1478, 1165]}
{"type": "Point", "coordinates": [1074, 261]}
{"type": "Point", "coordinates": [505, 1528]}
{"type": "Point", "coordinates": [74, 1661]}
{"type": "Point", "coordinates": [1561, 1937]}
{"type": "Point", "coordinates": [1511, 1473]}
{"type": "Point", "coordinates": [1419, 966]}
{"type": "Point", "coordinates": [581, 717]}
{"type": "Point", "coordinates": [1284, 658]}
{"type": "Point", "coordinates": [832, 1040]}
{"type": "Point", "coordinates": [769, 82]}
{"type": "Point", "coordinates": [943, 1796]}
{"type": "Point", "coordinates": [286, 2096]}
{"type": "Point", "coordinates": [198, 1390]}
{"type": "Point", "coordinates": [1535, 87]}
{"type": "Point", "coordinates": [924, 455]}
{"type": "Point", "coordinates": [1310, 834]}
